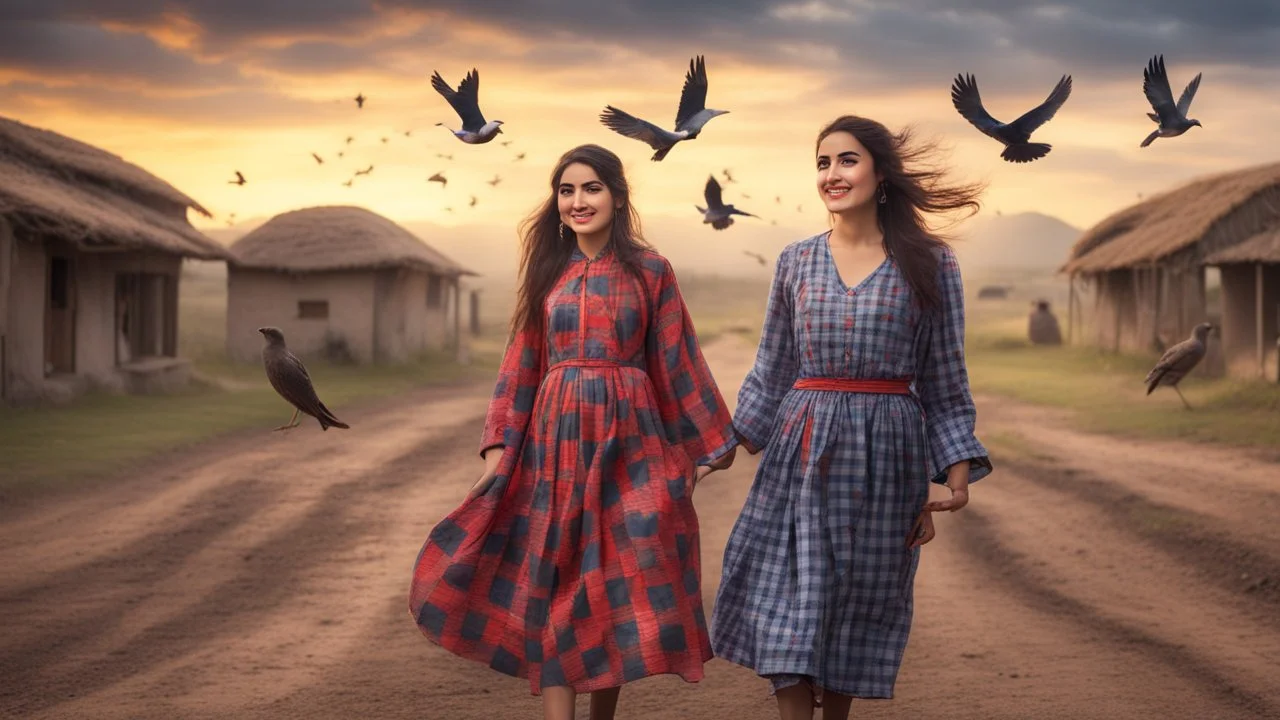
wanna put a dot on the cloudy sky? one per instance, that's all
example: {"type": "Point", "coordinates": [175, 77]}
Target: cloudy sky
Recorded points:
{"type": "Point", "coordinates": [193, 90]}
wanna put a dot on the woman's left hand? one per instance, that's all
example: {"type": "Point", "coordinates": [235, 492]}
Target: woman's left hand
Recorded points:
{"type": "Point", "coordinates": [959, 498]}
{"type": "Point", "coordinates": [922, 530]}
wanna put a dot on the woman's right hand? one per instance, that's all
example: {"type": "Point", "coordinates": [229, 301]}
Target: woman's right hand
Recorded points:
{"type": "Point", "coordinates": [751, 449]}
{"type": "Point", "coordinates": [492, 457]}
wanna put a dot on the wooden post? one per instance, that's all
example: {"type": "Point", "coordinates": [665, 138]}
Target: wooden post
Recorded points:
{"type": "Point", "coordinates": [475, 313]}
{"type": "Point", "coordinates": [457, 312]}
{"type": "Point", "coordinates": [1260, 330]}
{"type": "Point", "coordinates": [1071, 307]}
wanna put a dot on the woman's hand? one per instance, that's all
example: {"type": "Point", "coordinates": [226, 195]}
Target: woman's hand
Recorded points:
{"type": "Point", "coordinates": [922, 530]}
{"type": "Point", "coordinates": [492, 457]}
{"type": "Point", "coordinates": [724, 462]}
{"type": "Point", "coordinates": [959, 498]}
{"type": "Point", "coordinates": [752, 449]}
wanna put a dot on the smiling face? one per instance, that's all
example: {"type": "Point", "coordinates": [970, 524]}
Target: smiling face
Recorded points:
{"type": "Point", "coordinates": [847, 176]}
{"type": "Point", "coordinates": [586, 205]}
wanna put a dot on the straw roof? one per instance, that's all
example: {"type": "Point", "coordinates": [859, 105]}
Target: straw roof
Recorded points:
{"type": "Point", "coordinates": [337, 238]}
{"type": "Point", "coordinates": [54, 186]}
{"type": "Point", "coordinates": [1261, 248]}
{"type": "Point", "coordinates": [1169, 222]}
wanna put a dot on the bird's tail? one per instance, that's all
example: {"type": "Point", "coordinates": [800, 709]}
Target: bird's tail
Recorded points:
{"type": "Point", "coordinates": [1025, 152]}
{"type": "Point", "coordinates": [1154, 117]}
{"type": "Point", "coordinates": [662, 153]}
{"type": "Point", "coordinates": [1153, 380]}
{"type": "Point", "coordinates": [328, 419]}
{"type": "Point", "coordinates": [1150, 138]}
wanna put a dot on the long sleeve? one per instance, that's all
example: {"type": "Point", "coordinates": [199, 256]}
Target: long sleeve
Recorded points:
{"type": "Point", "coordinates": [776, 364]}
{"type": "Point", "coordinates": [521, 372]}
{"type": "Point", "coordinates": [693, 412]}
{"type": "Point", "coordinates": [943, 383]}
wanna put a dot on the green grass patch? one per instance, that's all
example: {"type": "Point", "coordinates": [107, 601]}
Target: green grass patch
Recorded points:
{"type": "Point", "coordinates": [1106, 392]}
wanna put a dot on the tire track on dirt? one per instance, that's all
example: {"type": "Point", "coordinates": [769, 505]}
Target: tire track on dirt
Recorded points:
{"type": "Point", "coordinates": [268, 581]}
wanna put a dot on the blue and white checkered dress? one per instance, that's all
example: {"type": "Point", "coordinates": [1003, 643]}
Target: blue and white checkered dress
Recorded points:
{"type": "Point", "coordinates": [817, 579]}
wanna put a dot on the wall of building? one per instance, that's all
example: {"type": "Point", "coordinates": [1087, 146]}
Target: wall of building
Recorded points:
{"type": "Point", "coordinates": [1239, 335]}
{"type": "Point", "coordinates": [257, 298]}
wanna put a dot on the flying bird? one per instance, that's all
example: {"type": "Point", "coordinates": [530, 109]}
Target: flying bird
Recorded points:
{"type": "Point", "coordinates": [360, 98]}
{"type": "Point", "coordinates": [365, 171]}
{"type": "Point", "coordinates": [494, 182]}
{"type": "Point", "coordinates": [1172, 119]}
{"type": "Point", "coordinates": [440, 178]}
{"type": "Point", "coordinates": [473, 201]}
{"type": "Point", "coordinates": [466, 102]}
{"type": "Point", "coordinates": [691, 115]}
{"type": "Point", "coordinates": [1015, 136]}
{"type": "Point", "coordinates": [349, 181]}
{"type": "Point", "coordinates": [319, 160]}
{"type": "Point", "coordinates": [1179, 360]}
{"type": "Point", "coordinates": [349, 139]}
{"type": "Point", "coordinates": [289, 377]}
{"type": "Point", "coordinates": [506, 143]}
{"type": "Point", "coordinates": [520, 156]}
{"type": "Point", "coordinates": [717, 213]}
{"type": "Point", "coordinates": [384, 141]}
{"type": "Point", "coordinates": [442, 156]}
{"type": "Point", "coordinates": [239, 179]}
{"type": "Point", "coordinates": [340, 153]}
{"type": "Point", "coordinates": [727, 177]}
{"type": "Point", "coordinates": [759, 258]}
{"type": "Point", "coordinates": [408, 133]}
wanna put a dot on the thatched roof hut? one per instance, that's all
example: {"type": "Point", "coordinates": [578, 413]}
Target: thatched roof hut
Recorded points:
{"type": "Point", "coordinates": [335, 238]}
{"type": "Point", "coordinates": [55, 187]}
{"type": "Point", "coordinates": [1251, 303]}
{"type": "Point", "coordinates": [342, 282]}
{"type": "Point", "coordinates": [1147, 262]}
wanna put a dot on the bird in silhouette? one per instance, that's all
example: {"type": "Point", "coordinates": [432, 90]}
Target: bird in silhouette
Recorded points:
{"type": "Point", "coordinates": [519, 156]}
{"type": "Point", "coordinates": [759, 258]}
{"type": "Point", "coordinates": [360, 98]}
{"type": "Point", "coordinates": [728, 178]}
{"type": "Point", "coordinates": [466, 102]}
{"type": "Point", "coordinates": [1172, 119]}
{"type": "Point", "coordinates": [716, 213]}
{"type": "Point", "coordinates": [384, 141]}
{"type": "Point", "coordinates": [319, 160]}
{"type": "Point", "coordinates": [440, 178]}
{"type": "Point", "coordinates": [1015, 136]}
{"type": "Point", "coordinates": [473, 201]}
{"type": "Point", "coordinates": [1179, 360]}
{"type": "Point", "coordinates": [408, 133]}
{"type": "Point", "coordinates": [349, 182]}
{"type": "Point", "coordinates": [365, 171]}
{"type": "Point", "coordinates": [494, 182]}
{"type": "Point", "coordinates": [239, 179]}
{"type": "Point", "coordinates": [289, 377]}
{"type": "Point", "coordinates": [691, 115]}
{"type": "Point", "coordinates": [349, 139]}
{"type": "Point", "coordinates": [506, 143]}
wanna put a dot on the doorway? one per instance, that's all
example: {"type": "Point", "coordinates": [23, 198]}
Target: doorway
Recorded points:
{"type": "Point", "coordinates": [60, 317]}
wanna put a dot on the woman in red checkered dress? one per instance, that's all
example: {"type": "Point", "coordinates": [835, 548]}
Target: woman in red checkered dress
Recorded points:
{"type": "Point", "coordinates": [574, 561]}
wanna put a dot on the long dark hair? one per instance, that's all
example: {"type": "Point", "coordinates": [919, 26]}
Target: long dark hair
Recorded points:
{"type": "Point", "coordinates": [547, 245]}
{"type": "Point", "coordinates": [912, 188]}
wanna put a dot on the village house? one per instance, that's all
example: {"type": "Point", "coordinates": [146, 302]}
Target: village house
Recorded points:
{"type": "Point", "coordinates": [1250, 275]}
{"type": "Point", "coordinates": [344, 283]}
{"type": "Point", "coordinates": [90, 252]}
{"type": "Point", "coordinates": [1147, 266]}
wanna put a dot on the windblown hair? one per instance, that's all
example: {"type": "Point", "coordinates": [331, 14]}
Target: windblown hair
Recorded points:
{"type": "Point", "coordinates": [547, 245]}
{"type": "Point", "coordinates": [912, 189]}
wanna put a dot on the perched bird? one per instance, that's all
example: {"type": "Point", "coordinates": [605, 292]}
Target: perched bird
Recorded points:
{"type": "Point", "coordinates": [759, 258]}
{"type": "Point", "coordinates": [360, 98]}
{"type": "Point", "coordinates": [691, 115]}
{"type": "Point", "coordinates": [289, 377]}
{"type": "Point", "coordinates": [466, 102]}
{"type": "Point", "coordinates": [239, 179]}
{"type": "Point", "coordinates": [1014, 136]}
{"type": "Point", "coordinates": [494, 182]}
{"type": "Point", "coordinates": [1172, 119]}
{"type": "Point", "coordinates": [319, 160]}
{"type": "Point", "coordinates": [717, 213]}
{"type": "Point", "coordinates": [365, 171]}
{"type": "Point", "coordinates": [1179, 360]}
{"type": "Point", "coordinates": [440, 178]}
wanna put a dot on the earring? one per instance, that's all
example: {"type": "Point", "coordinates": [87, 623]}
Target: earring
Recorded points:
{"type": "Point", "coordinates": [563, 229]}
{"type": "Point", "coordinates": [883, 197]}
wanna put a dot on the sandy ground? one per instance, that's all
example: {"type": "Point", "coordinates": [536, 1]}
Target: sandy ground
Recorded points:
{"type": "Point", "coordinates": [265, 576]}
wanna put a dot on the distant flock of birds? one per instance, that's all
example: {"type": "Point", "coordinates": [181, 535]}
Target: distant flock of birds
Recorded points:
{"type": "Point", "coordinates": [289, 377]}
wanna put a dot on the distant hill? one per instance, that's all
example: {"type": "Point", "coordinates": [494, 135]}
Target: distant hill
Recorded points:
{"type": "Point", "coordinates": [1030, 241]}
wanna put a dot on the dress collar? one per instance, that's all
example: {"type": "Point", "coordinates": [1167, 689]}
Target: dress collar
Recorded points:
{"type": "Point", "coordinates": [578, 255]}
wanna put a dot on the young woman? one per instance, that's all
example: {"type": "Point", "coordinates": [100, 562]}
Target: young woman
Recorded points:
{"type": "Point", "coordinates": [574, 561]}
{"type": "Point", "coordinates": [859, 397]}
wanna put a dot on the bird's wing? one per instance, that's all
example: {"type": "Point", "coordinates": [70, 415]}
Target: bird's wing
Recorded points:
{"type": "Point", "coordinates": [294, 384]}
{"type": "Point", "coordinates": [465, 101]}
{"type": "Point", "coordinates": [1155, 84]}
{"type": "Point", "coordinates": [693, 98]}
{"type": "Point", "coordinates": [967, 101]}
{"type": "Point", "coordinates": [633, 127]}
{"type": "Point", "coordinates": [1173, 358]}
{"type": "Point", "coordinates": [1189, 92]}
{"type": "Point", "coordinates": [712, 193]}
{"type": "Point", "coordinates": [1045, 111]}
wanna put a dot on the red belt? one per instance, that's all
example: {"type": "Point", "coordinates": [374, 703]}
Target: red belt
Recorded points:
{"type": "Point", "coordinates": [888, 386]}
{"type": "Point", "coordinates": [594, 363]}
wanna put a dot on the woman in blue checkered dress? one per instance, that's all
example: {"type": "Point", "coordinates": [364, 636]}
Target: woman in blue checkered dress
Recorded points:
{"type": "Point", "coordinates": [859, 398]}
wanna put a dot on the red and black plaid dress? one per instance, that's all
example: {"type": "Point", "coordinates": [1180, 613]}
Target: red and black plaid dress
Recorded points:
{"type": "Point", "coordinates": [580, 565]}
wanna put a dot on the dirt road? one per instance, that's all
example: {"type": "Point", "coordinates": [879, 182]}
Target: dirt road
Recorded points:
{"type": "Point", "coordinates": [265, 577]}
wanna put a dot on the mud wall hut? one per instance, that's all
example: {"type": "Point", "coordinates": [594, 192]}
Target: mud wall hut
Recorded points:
{"type": "Point", "coordinates": [1250, 273]}
{"type": "Point", "coordinates": [341, 282]}
{"type": "Point", "coordinates": [90, 252]}
{"type": "Point", "coordinates": [1146, 264]}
